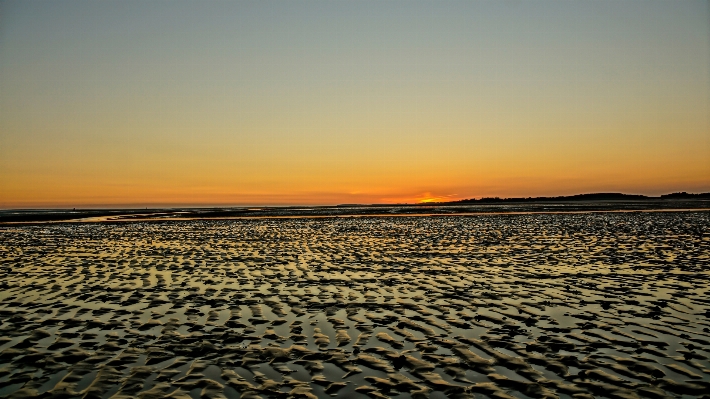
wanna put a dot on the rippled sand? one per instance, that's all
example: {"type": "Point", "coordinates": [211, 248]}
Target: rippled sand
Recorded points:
{"type": "Point", "coordinates": [608, 305]}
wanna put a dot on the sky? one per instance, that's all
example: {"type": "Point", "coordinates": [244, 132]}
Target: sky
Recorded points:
{"type": "Point", "coordinates": [217, 103]}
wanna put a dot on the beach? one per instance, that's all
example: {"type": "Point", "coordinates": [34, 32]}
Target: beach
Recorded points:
{"type": "Point", "coordinates": [526, 305]}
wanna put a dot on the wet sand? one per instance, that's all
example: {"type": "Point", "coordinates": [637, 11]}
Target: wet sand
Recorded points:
{"type": "Point", "coordinates": [36, 216]}
{"type": "Point", "coordinates": [572, 305]}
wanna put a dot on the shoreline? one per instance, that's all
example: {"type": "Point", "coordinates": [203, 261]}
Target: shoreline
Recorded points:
{"type": "Point", "coordinates": [128, 217]}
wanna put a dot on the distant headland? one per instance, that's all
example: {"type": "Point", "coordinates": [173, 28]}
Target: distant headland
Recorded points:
{"type": "Point", "coordinates": [580, 197]}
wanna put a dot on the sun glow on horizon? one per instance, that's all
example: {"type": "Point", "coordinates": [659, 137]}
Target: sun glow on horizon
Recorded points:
{"type": "Point", "coordinates": [120, 103]}
{"type": "Point", "coordinates": [429, 198]}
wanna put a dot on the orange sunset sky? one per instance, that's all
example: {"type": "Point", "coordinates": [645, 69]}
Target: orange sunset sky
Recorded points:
{"type": "Point", "coordinates": [186, 103]}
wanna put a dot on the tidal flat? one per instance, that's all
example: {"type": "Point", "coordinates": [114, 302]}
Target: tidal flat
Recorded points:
{"type": "Point", "coordinates": [583, 305]}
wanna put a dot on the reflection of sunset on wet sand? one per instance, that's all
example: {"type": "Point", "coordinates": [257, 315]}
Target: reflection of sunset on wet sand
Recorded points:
{"type": "Point", "coordinates": [492, 306]}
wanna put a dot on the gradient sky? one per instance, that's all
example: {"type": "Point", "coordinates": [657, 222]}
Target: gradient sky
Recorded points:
{"type": "Point", "coordinates": [149, 103]}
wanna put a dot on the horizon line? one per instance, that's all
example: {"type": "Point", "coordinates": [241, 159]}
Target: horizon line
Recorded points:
{"type": "Point", "coordinates": [154, 206]}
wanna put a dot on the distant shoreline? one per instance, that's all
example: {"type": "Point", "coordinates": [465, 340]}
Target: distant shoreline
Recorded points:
{"type": "Point", "coordinates": [584, 198]}
{"type": "Point", "coordinates": [586, 203]}
{"type": "Point", "coordinates": [120, 219]}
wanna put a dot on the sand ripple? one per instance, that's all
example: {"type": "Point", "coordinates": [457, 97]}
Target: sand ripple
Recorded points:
{"type": "Point", "coordinates": [503, 306]}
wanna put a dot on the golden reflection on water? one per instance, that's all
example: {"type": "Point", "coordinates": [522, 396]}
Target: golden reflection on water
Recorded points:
{"type": "Point", "coordinates": [455, 305]}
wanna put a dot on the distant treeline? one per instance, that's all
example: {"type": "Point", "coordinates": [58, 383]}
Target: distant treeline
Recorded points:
{"type": "Point", "coordinates": [685, 195]}
{"type": "Point", "coordinates": [579, 197]}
